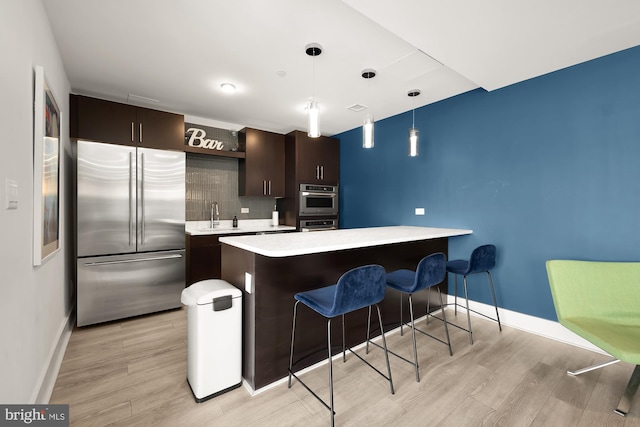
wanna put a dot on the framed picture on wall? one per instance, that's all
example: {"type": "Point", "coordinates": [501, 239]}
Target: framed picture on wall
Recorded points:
{"type": "Point", "coordinates": [46, 171]}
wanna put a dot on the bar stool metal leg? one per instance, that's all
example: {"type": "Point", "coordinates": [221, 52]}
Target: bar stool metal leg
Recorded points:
{"type": "Point", "coordinates": [293, 331]}
{"type": "Point", "coordinates": [330, 371]}
{"type": "Point", "coordinates": [495, 303]}
{"type": "Point", "coordinates": [368, 331]}
{"type": "Point", "coordinates": [466, 297]}
{"type": "Point", "coordinates": [455, 294]}
{"type": "Point", "coordinates": [444, 319]}
{"type": "Point", "coordinates": [401, 318]}
{"type": "Point", "coordinates": [413, 336]}
{"type": "Point", "coordinates": [386, 352]}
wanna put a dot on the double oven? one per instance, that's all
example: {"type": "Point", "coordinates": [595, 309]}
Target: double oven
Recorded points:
{"type": "Point", "coordinates": [318, 207]}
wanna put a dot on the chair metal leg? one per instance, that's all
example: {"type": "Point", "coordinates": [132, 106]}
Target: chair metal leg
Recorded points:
{"type": "Point", "coordinates": [330, 371]}
{"type": "Point", "coordinates": [625, 401]}
{"type": "Point", "coordinates": [592, 367]}
{"type": "Point", "coordinates": [444, 320]}
{"type": "Point", "coordinates": [386, 353]}
{"type": "Point", "coordinates": [413, 337]}
{"type": "Point", "coordinates": [466, 297]}
{"type": "Point", "coordinates": [293, 331]}
{"type": "Point", "coordinates": [495, 303]}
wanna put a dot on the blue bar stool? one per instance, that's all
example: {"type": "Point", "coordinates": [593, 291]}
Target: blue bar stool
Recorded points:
{"type": "Point", "coordinates": [431, 271]}
{"type": "Point", "coordinates": [483, 259]}
{"type": "Point", "coordinates": [357, 288]}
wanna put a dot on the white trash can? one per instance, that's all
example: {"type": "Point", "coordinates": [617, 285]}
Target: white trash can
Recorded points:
{"type": "Point", "coordinates": [214, 337]}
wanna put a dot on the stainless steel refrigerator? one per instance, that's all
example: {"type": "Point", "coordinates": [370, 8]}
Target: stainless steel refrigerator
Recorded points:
{"type": "Point", "coordinates": [130, 231]}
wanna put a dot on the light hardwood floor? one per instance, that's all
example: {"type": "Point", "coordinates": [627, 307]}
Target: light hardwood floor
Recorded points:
{"type": "Point", "coordinates": [133, 373]}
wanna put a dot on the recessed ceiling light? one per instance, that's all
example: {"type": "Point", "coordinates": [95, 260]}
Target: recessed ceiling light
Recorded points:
{"type": "Point", "coordinates": [228, 87]}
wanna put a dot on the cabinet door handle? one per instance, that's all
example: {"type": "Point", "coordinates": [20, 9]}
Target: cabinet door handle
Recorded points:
{"type": "Point", "coordinates": [269, 187]}
{"type": "Point", "coordinates": [264, 187]}
{"type": "Point", "coordinates": [322, 173]}
{"type": "Point", "coordinates": [133, 130]}
{"type": "Point", "coordinates": [317, 172]}
{"type": "Point", "coordinates": [140, 132]}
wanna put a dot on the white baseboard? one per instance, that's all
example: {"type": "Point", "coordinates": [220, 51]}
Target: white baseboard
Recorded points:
{"type": "Point", "coordinates": [535, 325]}
{"type": "Point", "coordinates": [49, 373]}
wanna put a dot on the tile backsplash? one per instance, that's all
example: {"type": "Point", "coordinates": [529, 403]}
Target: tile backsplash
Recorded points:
{"type": "Point", "coordinates": [215, 179]}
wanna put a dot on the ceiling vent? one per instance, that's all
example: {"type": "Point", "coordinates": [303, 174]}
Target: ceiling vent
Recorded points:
{"type": "Point", "coordinates": [357, 107]}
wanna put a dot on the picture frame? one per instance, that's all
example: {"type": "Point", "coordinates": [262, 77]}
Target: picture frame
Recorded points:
{"type": "Point", "coordinates": [46, 171]}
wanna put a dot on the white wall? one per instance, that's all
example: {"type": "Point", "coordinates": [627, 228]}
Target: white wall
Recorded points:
{"type": "Point", "coordinates": [34, 302]}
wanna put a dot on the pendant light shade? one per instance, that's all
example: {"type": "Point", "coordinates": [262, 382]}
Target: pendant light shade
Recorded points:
{"type": "Point", "coordinates": [413, 142]}
{"type": "Point", "coordinates": [367, 131]}
{"type": "Point", "coordinates": [367, 126]}
{"type": "Point", "coordinates": [313, 119]}
{"type": "Point", "coordinates": [413, 131]}
{"type": "Point", "coordinates": [313, 111]}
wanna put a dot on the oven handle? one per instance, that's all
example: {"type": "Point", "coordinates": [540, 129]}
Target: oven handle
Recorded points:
{"type": "Point", "coordinates": [305, 230]}
{"type": "Point", "coordinates": [311, 193]}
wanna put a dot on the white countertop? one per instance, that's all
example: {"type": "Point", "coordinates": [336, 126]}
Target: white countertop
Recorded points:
{"type": "Point", "coordinates": [203, 228]}
{"type": "Point", "coordinates": [291, 244]}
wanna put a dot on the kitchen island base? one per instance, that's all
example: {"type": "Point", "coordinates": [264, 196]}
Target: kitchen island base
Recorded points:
{"type": "Point", "coordinates": [269, 284]}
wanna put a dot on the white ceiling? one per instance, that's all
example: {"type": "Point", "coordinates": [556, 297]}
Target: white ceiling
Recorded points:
{"type": "Point", "coordinates": [178, 52]}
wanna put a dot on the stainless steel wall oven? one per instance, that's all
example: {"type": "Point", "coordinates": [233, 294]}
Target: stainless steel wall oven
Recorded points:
{"type": "Point", "coordinates": [318, 200]}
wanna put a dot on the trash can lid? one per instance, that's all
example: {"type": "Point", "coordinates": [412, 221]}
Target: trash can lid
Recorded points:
{"type": "Point", "coordinates": [205, 291]}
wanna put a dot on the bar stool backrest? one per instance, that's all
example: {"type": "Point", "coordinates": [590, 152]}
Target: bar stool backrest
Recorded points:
{"type": "Point", "coordinates": [358, 288]}
{"type": "Point", "coordinates": [483, 258]}
{"type": "Point", "coordinates": [431, 270]}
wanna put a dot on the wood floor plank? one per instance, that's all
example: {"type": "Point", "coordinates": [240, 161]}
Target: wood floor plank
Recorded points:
{"type": "Point", "coordinates": [133, 373]}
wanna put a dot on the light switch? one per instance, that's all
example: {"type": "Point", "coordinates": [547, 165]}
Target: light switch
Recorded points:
{"type": "Point", "coordinates": [419, 211]}
{"type": "Point", "coordinates": [247, 283]}
{"type": "Point", "coordinates": [244, 210]}
{"type": "Point", "coordinates": [11, 187]}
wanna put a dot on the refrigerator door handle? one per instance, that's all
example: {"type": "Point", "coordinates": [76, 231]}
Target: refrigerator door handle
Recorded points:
{"type": "Point", "coordinates": [142, 216]}
{"type": "Point", "coordinates": [126, 261]}
{"type": "Point", "coordinates": [131, 207]}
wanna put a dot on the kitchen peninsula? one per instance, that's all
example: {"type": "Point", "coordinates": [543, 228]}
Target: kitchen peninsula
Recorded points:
{"type": "Point", "coordinates": [270, 269]}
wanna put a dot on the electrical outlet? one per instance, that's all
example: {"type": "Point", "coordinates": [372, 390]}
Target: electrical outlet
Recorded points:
{"type": "Point", "coordinates": [419, 211]}
{"type": "Point", "coordinates": [244, 210]}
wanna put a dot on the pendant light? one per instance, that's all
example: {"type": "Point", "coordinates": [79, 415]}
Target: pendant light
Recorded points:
{"type": "Point", "coordinates": [313, 112]}
{"type": "Point", "coordinates": [413, 131]}
{"type": "Point", "coordinates": [367, 127]}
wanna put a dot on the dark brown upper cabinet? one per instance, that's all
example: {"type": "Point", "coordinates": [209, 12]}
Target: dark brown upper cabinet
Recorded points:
{"type": "Point", "coordinates": [313, 160]}
{"type": "Point", "coordinates": [106, 121]}
{"type": "Point", "coordinates": [261, 172]}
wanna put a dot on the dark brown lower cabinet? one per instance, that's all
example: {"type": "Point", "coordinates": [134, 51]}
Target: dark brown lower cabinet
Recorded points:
{"type": "Point", "coordinates": [203, 258]}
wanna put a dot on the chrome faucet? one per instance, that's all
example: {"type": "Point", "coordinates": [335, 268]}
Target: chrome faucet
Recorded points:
{"type": "Point", "coordinates": [215, 214]}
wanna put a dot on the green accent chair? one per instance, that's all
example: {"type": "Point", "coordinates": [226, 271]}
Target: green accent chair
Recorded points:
{"type": "Point", "coordinates": [600, 301]}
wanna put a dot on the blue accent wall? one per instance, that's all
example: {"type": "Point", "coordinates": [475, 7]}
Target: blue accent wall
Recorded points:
{"type": "Point", "coordinates": [544, 169]}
